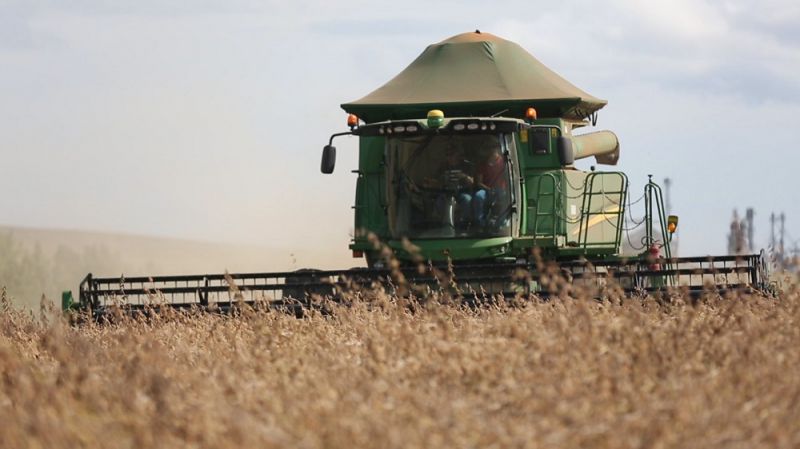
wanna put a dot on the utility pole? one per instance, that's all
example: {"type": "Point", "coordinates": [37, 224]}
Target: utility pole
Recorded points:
{"type": "Point", "coordinates": [749, 216]}
{"type": "Point", "coordinates": [736, 239]}
{"type": "Point", "coordinates": [772, 232]}
{"type": "Point", "coordinates": [667, 184]}
{"type": "Point", "coordinates": [783, 221]}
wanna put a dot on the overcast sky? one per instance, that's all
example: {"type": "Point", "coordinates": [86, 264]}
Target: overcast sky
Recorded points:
{"type": "Point", "coordinates": [205, 120]}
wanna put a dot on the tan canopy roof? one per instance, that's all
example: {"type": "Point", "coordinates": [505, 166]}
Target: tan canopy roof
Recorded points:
{"type": "Point", "coordinates": [475, 74]}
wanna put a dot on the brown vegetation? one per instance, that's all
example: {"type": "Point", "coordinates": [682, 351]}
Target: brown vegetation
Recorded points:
{"type": "Point", "coordinates": [565, 373]}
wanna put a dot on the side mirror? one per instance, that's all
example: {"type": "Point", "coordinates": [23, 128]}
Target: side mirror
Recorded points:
{"type": "Point", "coordinates": [566, 154]}
{"type": "Point", "coordinates": [328, 159]}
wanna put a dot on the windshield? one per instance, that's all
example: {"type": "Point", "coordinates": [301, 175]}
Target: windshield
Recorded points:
{"type": "Point", "coordinates": [444, 186]}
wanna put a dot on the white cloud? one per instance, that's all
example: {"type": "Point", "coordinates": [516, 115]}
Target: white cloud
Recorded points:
{"type": "Point", "coordinates": [681, 20]}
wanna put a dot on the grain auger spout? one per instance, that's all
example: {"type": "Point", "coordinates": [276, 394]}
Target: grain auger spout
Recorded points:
{"type": "Point", "coordinates": [603, 145]}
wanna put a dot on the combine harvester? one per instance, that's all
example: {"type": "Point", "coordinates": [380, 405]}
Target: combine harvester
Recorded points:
{"type": "Point", "coordinates": [467, 185]}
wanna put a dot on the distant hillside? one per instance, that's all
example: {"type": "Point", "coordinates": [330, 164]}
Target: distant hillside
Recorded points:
{"type": "Point", "coordinates": [46, 261]}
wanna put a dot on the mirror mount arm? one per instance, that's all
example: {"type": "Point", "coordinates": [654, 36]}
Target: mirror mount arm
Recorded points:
{"type": "Point", "coordinates": [348, 133]}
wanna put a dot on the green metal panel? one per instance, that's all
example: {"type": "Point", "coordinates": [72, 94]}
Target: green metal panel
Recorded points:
{"type": "Point", "coordinates": [543, 197]}
{"type": "Point", "coordinates": [537, 145]}
{"type": "Point", "coordinates": [67, 301]}
{"type": "Point", "coordinates": [543, 206]}
{"type": "Point", "coordinates": [370, 204]}
{"type": "Point", "coordinates": [454, 249]}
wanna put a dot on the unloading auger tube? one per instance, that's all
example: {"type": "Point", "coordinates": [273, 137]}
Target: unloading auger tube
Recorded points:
{"type": "Point", "coordinates": [603, 145]}
{"type": "Point", "coordinates": [295, 291]}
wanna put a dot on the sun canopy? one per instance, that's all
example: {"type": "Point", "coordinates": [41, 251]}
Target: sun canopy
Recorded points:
{"type": "Point", "coordinates": [475, 74]}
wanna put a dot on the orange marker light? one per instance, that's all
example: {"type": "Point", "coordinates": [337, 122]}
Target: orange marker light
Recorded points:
{"type": "Point", "coordinates": [357, 253]}
{"type": "Point", "coordinates": [672, 223]}
{"type": "Point", "coordinates": [530, 114]}
{"type": "Point", "coordinates": [352, 120]}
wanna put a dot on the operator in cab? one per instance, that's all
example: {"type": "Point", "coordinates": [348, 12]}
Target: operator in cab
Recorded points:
{"type": "Point", "coordinates": [454, 181]}
{"type": "Point", "coordinates": [490, 202]}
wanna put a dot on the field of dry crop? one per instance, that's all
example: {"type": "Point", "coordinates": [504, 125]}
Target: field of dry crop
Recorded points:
{"type": "Point", "coordinates": [567, 373]}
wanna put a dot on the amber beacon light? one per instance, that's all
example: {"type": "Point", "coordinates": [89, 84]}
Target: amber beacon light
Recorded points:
{"type": "Point", "coordinates": [672, 223]}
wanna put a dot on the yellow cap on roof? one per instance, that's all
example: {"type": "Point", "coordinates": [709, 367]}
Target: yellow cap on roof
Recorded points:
{"type": "Point", "coordinates": [435, 118]}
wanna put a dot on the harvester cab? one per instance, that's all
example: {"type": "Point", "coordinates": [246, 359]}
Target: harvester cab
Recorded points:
{"type": "Point", "coordinates": [476, 189]}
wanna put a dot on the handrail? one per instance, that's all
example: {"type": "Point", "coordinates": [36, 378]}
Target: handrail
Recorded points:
{"type": "Point", "coordinates": [553, 213]}
{"type": "Point", "coordinates": [586, 208]}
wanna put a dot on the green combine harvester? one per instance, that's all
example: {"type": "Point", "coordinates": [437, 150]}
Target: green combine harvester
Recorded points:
{"type": "Point", "coordinates": [467, 186]}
